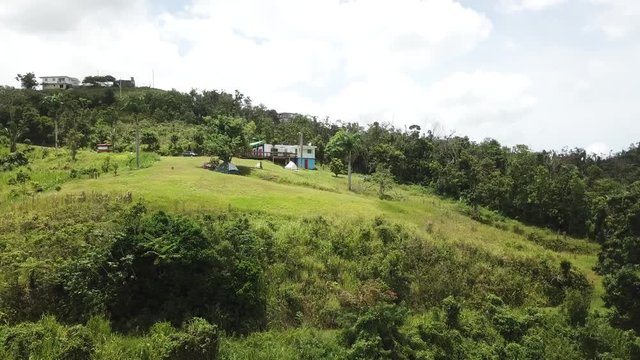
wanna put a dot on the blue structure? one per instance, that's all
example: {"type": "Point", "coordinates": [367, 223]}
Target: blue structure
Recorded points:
{"type": "Point", "coordinates": [306, 163]}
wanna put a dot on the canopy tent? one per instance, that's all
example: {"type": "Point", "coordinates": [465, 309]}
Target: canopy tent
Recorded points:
{"type": "Point", "coordinates": [227, 168]}
{"type": "Point", "coordinates": [291, 166]}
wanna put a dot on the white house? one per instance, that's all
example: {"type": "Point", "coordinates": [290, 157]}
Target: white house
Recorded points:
{"type": "Point", "coordinates": [307, 160]}
{"type": "Point", "coordinates": [58, 82]}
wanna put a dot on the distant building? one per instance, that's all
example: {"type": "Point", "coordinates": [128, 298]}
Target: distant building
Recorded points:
{"type": "Point", "coordinates": [104, 148]}
{"type": "Point", "coordinates": [125, 83]}
{"type": "Point", "coordinates": [58, 82]}
{"type": "Point", "coordinates": [287, 116]}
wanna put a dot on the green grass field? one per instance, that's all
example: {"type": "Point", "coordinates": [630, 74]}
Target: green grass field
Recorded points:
{"type": "Point", "coordinates": [181, 185]}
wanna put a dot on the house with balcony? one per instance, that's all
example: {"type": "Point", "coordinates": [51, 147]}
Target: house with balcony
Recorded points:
{"type": "Point", "coordinates": [58, 82]}
{"type": "Point", "coordinates": [282, 154]}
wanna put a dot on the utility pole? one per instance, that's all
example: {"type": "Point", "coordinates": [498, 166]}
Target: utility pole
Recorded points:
{"type": "Point", "coordinates": [349, 170]}
{"type": "Point", "coordinates": [55, 123]}
{"type": "Point", "coordinates": [137, 143]}
{"type": "Point", "coordinates": [301, 145]}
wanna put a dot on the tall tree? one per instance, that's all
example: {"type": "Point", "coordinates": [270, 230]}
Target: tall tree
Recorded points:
{"type": "Point", "coordinates": [27, 81]}
{"type": "Point", "coordinates": [19, 112]}
{"type": "Point", "coordinates": [227, 136]}
{"type": "Point", "coordinates": [54, 105]}
{"type": "Point", "coordinates": [344, 144]}
{"type": "Point", "coordinates": [77, 120]}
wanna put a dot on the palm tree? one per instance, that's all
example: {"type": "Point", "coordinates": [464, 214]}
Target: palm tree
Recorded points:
{"type": "Point", "coordinates": [344, 144]}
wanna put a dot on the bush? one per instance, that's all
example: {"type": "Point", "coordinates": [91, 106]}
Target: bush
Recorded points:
{"type": "Point", "coordinates": [433, 339]}
{"type": "Point", "coordinates": [375, 334]}
{"type": "Point", "coordinates": [598, 340]}
{"type": "Point", "coordinates": [20, 178]}
{"type": "Point", "coordinates": [576, 307]}
{"type": "Point", "coordinates": [622, 294]}
{"type": "Point", "coordinates": [47, 339]}
{"type": "Point", "coordinates": [510, 326]}
{"type": "Point", "coordinates": [177, 263]}
{"type": "Point", "coordinates": [291, 344]}
{"type": "Point", "coordinates": [452, 311]}
{"type": "Point", "coordinates": [106, 165]}
{"type": "Point", "coordinates": [13, 160]}
{"type": "Point", "coordinates": [198, 340]}
{"type": "Point", "coordinates": [336, 166]}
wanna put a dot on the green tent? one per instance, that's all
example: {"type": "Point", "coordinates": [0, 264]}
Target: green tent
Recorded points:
{"type": "Point", "coordinates": [227, 168]}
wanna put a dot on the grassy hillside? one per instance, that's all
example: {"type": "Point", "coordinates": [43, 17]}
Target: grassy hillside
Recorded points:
{"type": "Point", "coordinates": [327, 253]}
{"type": "Point", "coordinates": [181, 185]}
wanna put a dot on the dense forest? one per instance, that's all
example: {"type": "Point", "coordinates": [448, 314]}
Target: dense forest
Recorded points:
{"type": "Point", "coordinates": [152, 266]}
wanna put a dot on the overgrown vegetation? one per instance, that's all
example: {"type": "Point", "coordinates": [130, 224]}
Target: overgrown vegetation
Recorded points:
{"type": "Point", "coordinates": [374, 279]}
{"type": "Point", "coordinates": [297, 266]}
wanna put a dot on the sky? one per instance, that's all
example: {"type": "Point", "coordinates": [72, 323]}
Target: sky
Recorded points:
{"type": "Point", "coordinates": [549, 74]}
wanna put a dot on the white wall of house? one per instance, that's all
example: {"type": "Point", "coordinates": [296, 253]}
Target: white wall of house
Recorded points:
{"type": "Point", "coordinates": [308, 151]}
{"type": "Point", "coordinates": [46, 80]}
{"type": "Point", "coordinates": [292, 149]}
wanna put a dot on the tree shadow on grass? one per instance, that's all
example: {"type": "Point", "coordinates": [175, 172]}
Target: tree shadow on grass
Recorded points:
{"type": "Point", "coordinates": [244, 170]}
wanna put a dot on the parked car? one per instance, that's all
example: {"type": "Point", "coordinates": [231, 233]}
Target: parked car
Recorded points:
{"type": "Point", "coordinates": [189, 153]}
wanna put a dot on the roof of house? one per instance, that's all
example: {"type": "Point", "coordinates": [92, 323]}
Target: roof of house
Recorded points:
{"type": "Point", "coordinates": [57, 76]}
{"type": "Point", "coordinates": [295, 145]}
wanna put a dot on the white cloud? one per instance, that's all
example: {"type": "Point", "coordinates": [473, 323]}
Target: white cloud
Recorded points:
{"type": "Point", "coordinates": [405, 61]}
{"type": "Point", "coordinates": [462, 101]}
{"type": "Point", "coordinates": [52, 17]}
{"type": "Point", "coordinates": [529, 5]}
{"type": "Point", "coordinates": [308, 41]}
{"type": "Point", "coordinates": [360, 54]}
{"type": "Point", "coordinates": [466, 99]}
{"type": "Point", "coordinates": [598, 148]}
{"type": "Point", "coordinates": [618, 18]}
{"type": "Point", "coordinates": [385, 97]}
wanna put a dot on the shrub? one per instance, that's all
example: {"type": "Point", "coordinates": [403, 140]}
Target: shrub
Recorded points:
{"type": "Point", "coordinates": [511, 327]}
{"type": "Point", "coordinates": [451, 309]}
{"type": "Point", "coordinates": [622, 294]}
{"type": "Point", "coordinates": [47, 339]}
{"type": "Point", "coordinates": [106, 165]}
{"type": "Point", "coordinates": [336, 166]}
{"type": "Point", "coordinates": [174, 262]}
{"type": "Point", "coordinates": [20, 178]}
{"type": "Point", "coordinates": [375, 334]}
{"type": "Point", "coordinates": [576, 307]}
{"type": "Point", "coordinates": [290, 344]}
{"type": "Point", "coordinates": [13, 160]}
{"type": "Point", "coordinates": [198, 340]}
{"type": "Point", "coordinates": [435, 340]}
